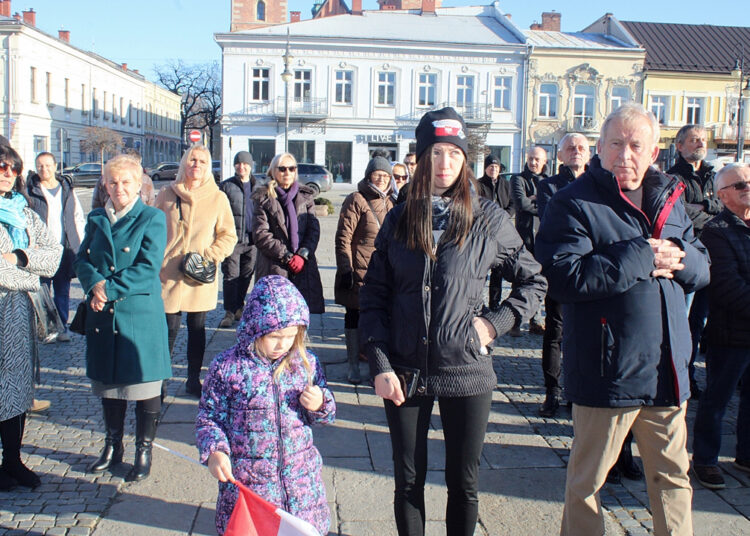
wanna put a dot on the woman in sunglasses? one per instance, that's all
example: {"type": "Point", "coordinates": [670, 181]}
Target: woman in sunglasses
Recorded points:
{"type": "Point", "coordinates": [360, 219]}
{"type": "Point", "coordinates": [286, 231]}
{"type": "Point", "coordinates": [28, 251]}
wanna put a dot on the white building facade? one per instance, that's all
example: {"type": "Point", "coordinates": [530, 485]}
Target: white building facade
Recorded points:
{"type": "Point", "coordinates": [361, 82]}
{"type": "Point", "coordinates": [52, 91]}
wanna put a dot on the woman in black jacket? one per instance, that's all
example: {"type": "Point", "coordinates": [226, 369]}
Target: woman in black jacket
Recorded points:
{"type": "Point", "coordinates": [423, 324]}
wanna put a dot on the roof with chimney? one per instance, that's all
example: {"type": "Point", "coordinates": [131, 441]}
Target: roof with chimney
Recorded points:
{"type": "Point", "coordinates": [574, 40]}
{"type": "Point", "coordinates": [476, 25]}
{"type": "Point", "coordinates": [700, 48]}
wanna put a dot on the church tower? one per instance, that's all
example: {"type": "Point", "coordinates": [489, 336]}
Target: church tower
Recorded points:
{"type": "Point", "coordinates": [247, 14]}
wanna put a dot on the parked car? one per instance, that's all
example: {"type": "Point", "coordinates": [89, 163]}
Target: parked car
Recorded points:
{"type": "Point", "coordinates": [315, 176]}
{"type": "Point", "coordinates": [163, 171]}
{"type": "Point", "coordinates": [85, 174]}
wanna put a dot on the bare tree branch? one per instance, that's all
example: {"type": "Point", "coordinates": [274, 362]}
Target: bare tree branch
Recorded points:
{"type": "Point", "coordinates": [101, 140]}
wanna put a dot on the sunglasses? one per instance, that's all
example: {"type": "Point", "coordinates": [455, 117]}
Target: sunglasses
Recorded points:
{"type": "Point", "coordinates": [739, 186]}
{"type": "Point", "coordinates": [4, 166]}
{"type": "Point", "coordinates": [400, 177]}
{"type": "Point", "coordinates": [284, 169]}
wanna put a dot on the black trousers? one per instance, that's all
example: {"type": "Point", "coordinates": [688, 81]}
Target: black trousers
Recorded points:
{"type": "Point", "coordinates": [551, 345]}
{"type": "Point", "coordinates": [238, 270]}
{"type": "Point", "coordinates": [464, 422]}
{"type": "Point", "coordinates": [196, 342]}
{"type": "Point", "coordinates": [351, 318]}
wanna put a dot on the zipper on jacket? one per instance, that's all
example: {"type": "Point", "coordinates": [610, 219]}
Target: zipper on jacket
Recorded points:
{"type": "Point", "coordinates": [604, 337]}
{"type": "Point", "coordinates": [282, 486]}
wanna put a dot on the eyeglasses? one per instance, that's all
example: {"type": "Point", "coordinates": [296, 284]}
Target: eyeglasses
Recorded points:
{"type": "Point", "coordinates": [4, 166]}
{"type": "Point", "coordinates": [284, 169]}
{"type": "Point", "coordinates": [739, 186]}
{"type": "Point", "coordinates": [400, 177]}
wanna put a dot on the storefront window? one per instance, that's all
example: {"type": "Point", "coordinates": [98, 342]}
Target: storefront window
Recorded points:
{"type": "Point", "coordinates": [263, 152]}
{"type": "Point", "coordinates": [303, 150]}
{"type": "Point", "coordinates": [339, 160]}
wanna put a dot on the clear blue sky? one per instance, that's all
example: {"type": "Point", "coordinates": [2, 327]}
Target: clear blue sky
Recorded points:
{"type": "Point", "coordinates": [146, 33]}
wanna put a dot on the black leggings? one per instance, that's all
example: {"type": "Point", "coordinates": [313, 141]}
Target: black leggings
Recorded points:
{"type": "Point", "coordinates": [464, 422]}
{"type": "Point", "coordinates": [196, 342]}
{"type": "Point", "coordinates": [150, 405]}
{"type": "Point", "coordinates": [351, 318]}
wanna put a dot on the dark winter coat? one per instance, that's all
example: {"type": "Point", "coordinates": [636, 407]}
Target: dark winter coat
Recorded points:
{"type": "Point", "coordinates": [522, 188]}
{"type": "Point", "coordinates": [418, 313]}
{"type": "Point", "coordinates": [234, 189]}
{"type": "Point", "coordinates": [626, 336]}
{"type": "Point", "coordinates": [549, 187]}
{"type": "Point", "coordinates": [126, 342]}
{"type": "Point", "coordinates": [360, 219]}
{"type": "Point", "coordinates": [699, 197]}
{"type": "Point", "coordinates": [258, 421]}
{"type": "Point", "coordinates": [497, 191]}
{"type": "Point", "coordinates": [274, 246]}
{"type": "Point", "coordinates": [72, 219]}
{"type": "Point", "coordinates": [727, 239]}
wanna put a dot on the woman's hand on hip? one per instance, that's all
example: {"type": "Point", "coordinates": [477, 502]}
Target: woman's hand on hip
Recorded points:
{"type": "Point", "coordinates": [485, 329]}
{"type": "Point", "coordinates": [220, 466]}
{"type": "Point", "coordinates": [388, 387]}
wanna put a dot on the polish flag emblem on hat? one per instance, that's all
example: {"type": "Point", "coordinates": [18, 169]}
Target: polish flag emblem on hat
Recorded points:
{"type": "Point", "coordinates": [448, 127]}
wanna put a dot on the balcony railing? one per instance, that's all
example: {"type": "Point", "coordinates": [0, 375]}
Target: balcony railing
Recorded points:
{"type": "Point", "coordinates": [728, 133]}
{"type": "Point", "coordinates": [303, 108]}
{"type": "Point", "coordinates": [472, 113]}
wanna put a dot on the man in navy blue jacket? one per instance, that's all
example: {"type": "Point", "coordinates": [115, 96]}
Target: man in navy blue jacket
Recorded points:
{"type": "Point", "coordinates": [618, 251]}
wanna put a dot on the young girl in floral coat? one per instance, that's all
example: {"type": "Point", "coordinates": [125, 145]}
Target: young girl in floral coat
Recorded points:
{"type": "Point", "coordinates": [259, 399]}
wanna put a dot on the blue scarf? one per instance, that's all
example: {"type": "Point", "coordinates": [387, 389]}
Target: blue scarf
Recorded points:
{"type": "Point", "coordinates": [14, 220]}
{"type": "Point", "coordinates": [286, 198]}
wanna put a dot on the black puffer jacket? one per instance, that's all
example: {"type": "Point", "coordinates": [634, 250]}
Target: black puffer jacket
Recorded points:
{"type": "Point", "coordinates": [234, 188]}
{"type": "Point", "coordinates": [727, 238]}
{"type": "Point", "coordinates": [418, 313]}
{"type": "Point", "coordinates": [626, 335]}
{"type": "Point", "coordinates": [699, 197]}
{"type": "Point", "coordinates": [549, 187]}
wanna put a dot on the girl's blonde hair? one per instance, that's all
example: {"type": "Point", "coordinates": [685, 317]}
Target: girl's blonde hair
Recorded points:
{"type": "Point", "coordinates": [273, 167]}
{"type": "Point", "coordinates": [297, 349]}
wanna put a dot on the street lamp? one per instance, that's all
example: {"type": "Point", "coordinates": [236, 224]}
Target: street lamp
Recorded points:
{"type": "Point", "coordinates": [286, 76]}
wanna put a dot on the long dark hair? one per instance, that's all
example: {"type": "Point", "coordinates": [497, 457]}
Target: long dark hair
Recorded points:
{"type": "Point", "coordinates": [415, 224]}
{"type": "Point", "coordinates": [8, 154]}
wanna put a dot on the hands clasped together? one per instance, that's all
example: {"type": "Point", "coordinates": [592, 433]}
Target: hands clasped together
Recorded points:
{"type": "Point", "coordinates": [667, 257]}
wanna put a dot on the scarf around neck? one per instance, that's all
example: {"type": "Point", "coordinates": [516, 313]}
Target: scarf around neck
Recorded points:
{"type": "Point", "coordinates": [441, 212]}
{"type": "Point", "coordinates": [14, 220]}
{"type": "Point", "coordinates": [286, 198]}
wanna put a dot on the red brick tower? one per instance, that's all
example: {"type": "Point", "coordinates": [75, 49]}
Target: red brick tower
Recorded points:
{"type": "Point", "coordinates": [247, 14]}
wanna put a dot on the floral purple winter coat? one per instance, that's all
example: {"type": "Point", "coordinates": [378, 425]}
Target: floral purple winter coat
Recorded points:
{"type": "Point", "coordinates": [260, 423]}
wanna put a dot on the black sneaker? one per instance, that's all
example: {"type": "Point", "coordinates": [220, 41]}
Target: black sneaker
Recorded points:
{"type": "Point", "coordinates": [550, 406]}
{"type": "Point", "coordinates": [709, 476]}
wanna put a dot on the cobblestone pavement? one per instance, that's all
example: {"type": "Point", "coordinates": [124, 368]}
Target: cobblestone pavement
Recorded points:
{"type": "Point", "coordinates": [522, 470]}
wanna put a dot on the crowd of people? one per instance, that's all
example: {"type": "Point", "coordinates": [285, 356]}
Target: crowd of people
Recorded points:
{"type": "Point", "coordinates": [636, 268]}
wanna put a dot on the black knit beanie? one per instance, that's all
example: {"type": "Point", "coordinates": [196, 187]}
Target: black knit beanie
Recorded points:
{"type": "Point", "coordinates": [441, 126]}
{"type": "Point", "coordinates": [491, 159]}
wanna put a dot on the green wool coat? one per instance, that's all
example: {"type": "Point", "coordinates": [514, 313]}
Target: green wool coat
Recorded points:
{"type": "Point", "coordinates": [126, 343]}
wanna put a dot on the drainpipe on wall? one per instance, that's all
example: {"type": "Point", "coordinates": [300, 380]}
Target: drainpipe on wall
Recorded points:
{"type": "Point", "coordinates": [524, 106]}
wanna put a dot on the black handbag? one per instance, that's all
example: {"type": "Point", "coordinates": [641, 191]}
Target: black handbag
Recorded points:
{"type": "Point", "coordinates": [78, 324]}
{"type": "Point", "coordinates": [198, 268]}
{"type": "Point", "coordinates": [194, 265]}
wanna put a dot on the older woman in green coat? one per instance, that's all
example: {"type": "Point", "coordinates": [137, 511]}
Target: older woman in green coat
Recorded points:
{"type": "Point", "coordinates": [127, 355]}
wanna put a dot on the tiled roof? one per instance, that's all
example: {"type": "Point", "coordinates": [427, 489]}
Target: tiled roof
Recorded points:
{"type": "Point", "coordinates": [691, 47]}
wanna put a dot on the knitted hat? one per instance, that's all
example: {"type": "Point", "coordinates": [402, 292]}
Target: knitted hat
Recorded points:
{"type": "Point", "coordinates": [441, 126]}
{"type": "Point", "coordinates": [243, 157]}
{"type": "Point", "coordinates": [378, 163]}
{"type": "Point", "coordinates": [491, 159]}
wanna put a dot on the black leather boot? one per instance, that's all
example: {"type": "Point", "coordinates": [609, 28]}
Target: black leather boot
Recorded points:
{"type": "Point", "coordinates": [626, 463]}
{"type": "Point", "coordinates": [11, 434]}
{"type": "Point", "coordinates": [193, 383]}
{"type": "Point", "coordinates": [145, 431]}
{"type": "Point", "coordinates": [114, 422]}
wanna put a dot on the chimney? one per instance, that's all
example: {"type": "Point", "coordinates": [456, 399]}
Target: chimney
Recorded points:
{"type": "Point", "coordinates": [5, 8]}
{"type": "Point", "coordinates": [17, 16]}
{"type": "Point", "coordinates": [551, 21]}
{"type": "Point", "coordinates": [64, 35]}
{"type": "Point", "coordinates": [294, 16]}
{"type": "Point", "coordinates": [124, 66]}
{"type": "Point", "coordinates": [428, 6]}
{"type": "Point", "coordinates": [509, 16]}
{"type": "Point", "coordinates": [356, 7]}
{"type": "Point", "coordinates": [136, 71]}
{"type": "Point", "coordinates": [29, 17]}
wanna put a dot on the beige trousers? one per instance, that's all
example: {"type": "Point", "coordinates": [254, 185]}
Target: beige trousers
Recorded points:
{"type": "Point", "coordinates": [661, 435]}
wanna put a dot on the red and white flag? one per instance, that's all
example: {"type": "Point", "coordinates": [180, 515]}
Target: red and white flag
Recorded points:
{"type": "Point", "coordinates": [255, 516]}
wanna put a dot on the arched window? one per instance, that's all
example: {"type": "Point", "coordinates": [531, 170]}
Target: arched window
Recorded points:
{"type": "Point", "coordinates": [261, 10]}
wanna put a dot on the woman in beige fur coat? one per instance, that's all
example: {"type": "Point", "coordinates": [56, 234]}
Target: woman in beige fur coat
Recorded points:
{"type": "Point", "coordinates": [201, 221]}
